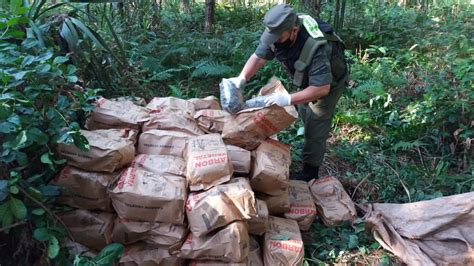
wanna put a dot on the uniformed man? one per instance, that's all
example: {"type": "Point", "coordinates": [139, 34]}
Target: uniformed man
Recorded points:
{"type": "Point", "coordinates": [313, 55]}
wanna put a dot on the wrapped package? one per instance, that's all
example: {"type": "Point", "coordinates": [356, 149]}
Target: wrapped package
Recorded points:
{"type": "Point", "coordinates": [154, 233]}
{"type": "Point", "coordinates": [145, 196]}
{"type": "Point", "coordinates": [232, 100]}
{"type": "Point", "coordinates": [160, 164]}
{"type": "Point", "coordinates": [162, 142]}
{"type": "Point", "coordinates": [171, 104]}
{"type": "Point", "coordinates": [116, 113]}
{"type": "Point", "coordinates": [240, 158]}
{"type": "Point", "coordinates": [229, 244]}
{"type": "Point", "coordinates": [283, 243]}
{"type": "Point", "coordinates": [209, 102]}
{"type": "Point", "coordinates": [258, 223]}
{"type": "Point", "coordinates": [110, 150]}
{"type": "Point", "coordinates": [332, 202]}
{"type": "Point", "coordinates": [172, 121]}
{"type": "Point", "coordinates": [302, 208]}
{"type": "Point", "coordinates": [212, 121]}
{"type": "Point", "coordinates": [271, 168]}
{"type": "Point", "coordinates": [141, 254]}
{"type": "Point", "coordinates": [85, 190]}
{"type": "Point", "coordinates": [220, 205]}
{"type": "Point", "coordinates": [89, 228]}
{"type": "Point", "coordinates": [276, 204]}
{"type": "Point", "coordinates": [251, 126]}
{"type": "Point", "coordinates": [207, 162]}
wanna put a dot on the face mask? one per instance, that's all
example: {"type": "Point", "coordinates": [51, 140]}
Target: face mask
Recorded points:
{"type": "Point", "coordinates": [286, 44]}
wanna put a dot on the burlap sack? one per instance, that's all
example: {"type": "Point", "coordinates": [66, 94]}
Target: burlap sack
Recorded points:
{"type": "Point", "coordinates": [258, 224]}
{"type": "Point", "coordinates": [283, 243]}
{"type": "Point", "coordinates": [84, 190]}
{"type": "Point", "coordinates": [160, 164]}
{"type": "Point", "coordinates": [230, 244]}
{"type": "Point", "coordinates": [162, 142]}
{"type": "Point", "coordinates": [171, 104]}
{"type": "Point", "coordinates": [207, 162]}
{"type": "Point", "coordinates": [141, 254]}
{"type": "Point", "coordinates": [426, 233]}
{"type": "Point", "coordinates": [251, 126]}
{"type": "Point", "coordinates": [210, 102]}
{"type": "Point", "coordinates": [172, 121]}
{"type": "Point", "coordinates": [302, 208]}
{"type": "Point", "coordinates": [271, 168]}
{"type": "Point", "coordinates": [121, 113]}
{"type": "Point", "coordinates": [110, 150]}
{"type": "Point", "coordinates": [220, 205]}
{"type": "Point", "coordinates": [276, 204]}
{"type": "Point", "coordinates": [332, 202]}
{"type": "Point", "coordinates": [153, 233]}
{"type": "Point", "coordinates": [145, 196]}
{"type": "Point", "coordinates": [91, 229]}
{"type": "Point", "coordinates": [240, 159]}
{"type": "Point", "coordinates": [212, 121]}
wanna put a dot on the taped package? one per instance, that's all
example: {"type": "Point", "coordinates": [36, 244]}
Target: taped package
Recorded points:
{"type": "Point", "coordinates": [220, 205]}
{"type": "Point", "coordinates": [116, 113]}
{"type": "Point", "coordinates": [110, 150]}
{"type": "Point", "coordinates": [271, 168]}
{"type": "Point", "coordinates": [207, 162]}
{"type": "Point", "coordinates": [145, 196]}
{"type": "Point", "coordinates": [85, 190]}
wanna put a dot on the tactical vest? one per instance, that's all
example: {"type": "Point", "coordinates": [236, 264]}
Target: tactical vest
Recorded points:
{"type": "Point", "coordinates": [316, 39]}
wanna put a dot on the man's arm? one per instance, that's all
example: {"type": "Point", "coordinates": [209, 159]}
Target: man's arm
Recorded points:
{"type": "Point", "coordinates": [310, 94]}
{"type": "Point", "coordinates": [253, 64]}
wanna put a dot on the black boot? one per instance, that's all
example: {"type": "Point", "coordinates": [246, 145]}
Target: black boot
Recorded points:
{"type": "Point", "coordinates": [309, 172]}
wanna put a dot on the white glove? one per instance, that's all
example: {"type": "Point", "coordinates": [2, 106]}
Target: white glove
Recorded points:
{"type": "Point", "coordinates": [239, 81]}
{"type": "Point", "coordinates": [280, 99]}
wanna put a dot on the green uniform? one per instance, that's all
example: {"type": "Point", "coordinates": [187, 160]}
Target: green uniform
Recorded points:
{"type": "Point", "coordinates": [327, 67]}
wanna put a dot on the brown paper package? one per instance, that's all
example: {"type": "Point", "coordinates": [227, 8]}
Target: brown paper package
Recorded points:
{"type": "Point", "coordinates": [108, 114]}
{"type": "Point", "coordinates": [209, 102]}
{"type": "Point", "coordinates": [160, 164]}
{"type": "Point", "coordinates": [302, 208]}
{"type": "Point", "coordinates": [110, 150]}
{"type": "Point", "coordinates": [154, 233]}
{"type": "Point", "coordinates": [230, 244]}
{"type": "Point", "coordinates": [276, 204]}
{"type": "Point", "coordinates": [145, 196]}
{"type": "Point", "coordinates": [207, 162]}
{"type": "Point", "coordinates": [212, 121]}
{"type": "Point", "coordinates": [258, 224]}
{"type": "Point", "coordinates": [172, 104]}
{"type": "Point", "coordinates": [251, 126]}
{"type": "Point", "coordinates": [332, 202]}
{"type": "Point", "coordinates": [172, 121]}
{"type": "Point", "coordinates": [76, 248]}
{"type": "Point", "coordinates": [162, 142]}
{"type": "Point", "coordinates": [283, 243]}
{"type": "Point", "coordinates": [141, 254]}
{"type": "Point", "coordinates": [241, 159]}
{"type": "Point", "coordinates": [220, 205]}
{"type": "Point", "coordinates": [91, 229]}
{"type": "Point", "coordinates": [85, 190]}
{"type": "Point", "coordinates": [271, 168]}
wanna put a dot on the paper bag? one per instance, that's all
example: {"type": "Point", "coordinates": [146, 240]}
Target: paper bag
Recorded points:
{"type": "Point", "coordinates": [145, 196]}
{"type": "Point", "coordinates": [220, 205]}
{"type": "Point", "coordinates": [332, 202]}
{"type": "Point", "coordinates": [207, 162]}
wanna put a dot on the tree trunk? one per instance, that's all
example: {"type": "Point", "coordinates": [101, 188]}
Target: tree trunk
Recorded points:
{"type": "Point", "coordinates": [209, 14]}
{"type": "Point", "coordinates": [186, 6]}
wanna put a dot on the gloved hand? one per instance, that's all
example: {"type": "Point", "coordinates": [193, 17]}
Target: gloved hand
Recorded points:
{"type": "Point", "coordinates": [239, 81]}
{"type": "Point", "coordinates": [280, 99]}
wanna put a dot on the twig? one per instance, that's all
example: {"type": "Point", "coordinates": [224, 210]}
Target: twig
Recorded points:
{"type": "Point", "coordinates": [8, 227]}
{"type": "Point", "coordinates": [421, 159]}
{"type": "Point", "coordinates": [360, 183]}
{"type": "Point", "coordinates": [51, 213]}
{"type": "Point", "coordinates": [401, 181]}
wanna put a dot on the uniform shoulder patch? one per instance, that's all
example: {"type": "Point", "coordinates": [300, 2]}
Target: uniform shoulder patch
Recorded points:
{"type": "Point", "coordinates": [311, 26]}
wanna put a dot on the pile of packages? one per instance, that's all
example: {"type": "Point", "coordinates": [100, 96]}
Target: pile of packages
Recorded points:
{"type": "Point", "coordinates": [181, 181]}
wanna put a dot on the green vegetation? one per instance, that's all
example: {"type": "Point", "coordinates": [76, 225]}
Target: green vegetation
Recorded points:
{"type": "Point", "coordinates": [403, 131]}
